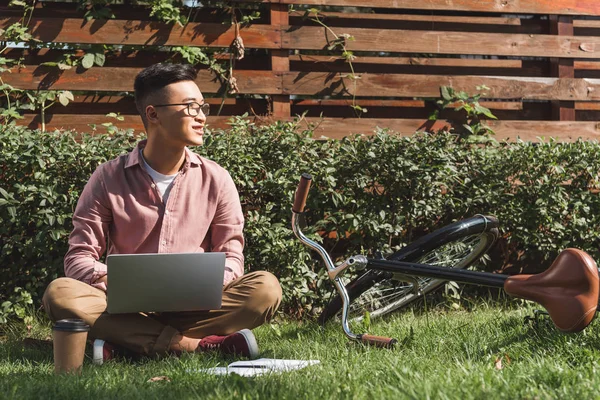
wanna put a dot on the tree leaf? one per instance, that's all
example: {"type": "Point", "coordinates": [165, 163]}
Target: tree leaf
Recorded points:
{"type": "Point", "coordinates": [64, 97]}
{"type": "Point", "coordinates": [446, 92]}
{"type": "Point", "coordinates": [159, 379]}
{"type": "Point", "coordinates": [485, 111]}
{"type": "Point", "coordinates": [88, 60]}
{"type": "Point", "coordinates": [99, 59]}
{"type": "Point", "coordinates": [17, 3]}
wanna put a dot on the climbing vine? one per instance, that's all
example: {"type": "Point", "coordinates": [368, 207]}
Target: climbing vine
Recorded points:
{"type": "Point", "coordinates": [15, 101]}
{"type": "Point", "coordinates": [340, 44]}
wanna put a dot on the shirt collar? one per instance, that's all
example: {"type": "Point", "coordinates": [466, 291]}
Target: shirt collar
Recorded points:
{"type": "Point", "coordinates": [133, 158]}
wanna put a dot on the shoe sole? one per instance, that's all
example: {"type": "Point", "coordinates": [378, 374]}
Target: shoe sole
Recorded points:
{"type": "Point", "coordinates": [251, 342]}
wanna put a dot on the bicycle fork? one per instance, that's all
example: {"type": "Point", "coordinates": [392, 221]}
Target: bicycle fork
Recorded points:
{"type": "Point", "coordinates": [357, 262]}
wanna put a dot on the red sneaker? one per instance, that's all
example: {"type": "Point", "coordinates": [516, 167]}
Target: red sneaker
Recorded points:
{"type": "Point", "coordinates": [240, 343]}
{"type": "Point", "coordinates": [103, 351]}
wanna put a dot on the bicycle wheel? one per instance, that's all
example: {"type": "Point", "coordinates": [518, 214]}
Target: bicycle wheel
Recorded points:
{"type": "Point", "coordinates": [457, 245]}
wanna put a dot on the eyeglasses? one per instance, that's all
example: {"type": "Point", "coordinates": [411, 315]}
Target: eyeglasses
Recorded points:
{"type": "Point", "coordinates": [193, 108]}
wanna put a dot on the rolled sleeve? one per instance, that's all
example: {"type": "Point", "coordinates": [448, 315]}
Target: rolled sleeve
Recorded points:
{"type": "Point", "coordinates": [227, 230]}
{"type": "Point", "coordinates": [87, 242]}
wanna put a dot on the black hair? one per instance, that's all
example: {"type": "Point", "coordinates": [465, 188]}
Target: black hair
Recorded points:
{"type": "Point", "coordinates": [157, 76]}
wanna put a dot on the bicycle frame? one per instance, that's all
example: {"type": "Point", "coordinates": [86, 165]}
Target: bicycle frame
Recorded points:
{"type": "Point", "coordinates": [408, 269]}
{"type": "Point", "coordinates": [360, 262]}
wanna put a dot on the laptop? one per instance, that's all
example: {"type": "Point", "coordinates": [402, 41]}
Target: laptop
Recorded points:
{"type": "Point", "coordinates": [164, 282]}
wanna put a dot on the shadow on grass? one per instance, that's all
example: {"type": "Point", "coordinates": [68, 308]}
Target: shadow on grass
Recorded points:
{"type": "Point", "coordinates": [24, 350]}
{"type": "Point", "coordinates": [50, 386]}
{"type": "Point", "coordinates": [540, 337]}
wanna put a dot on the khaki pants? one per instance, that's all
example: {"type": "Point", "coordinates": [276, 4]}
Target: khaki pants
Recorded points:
{"type": "Point", "coordinates": [248, 302]}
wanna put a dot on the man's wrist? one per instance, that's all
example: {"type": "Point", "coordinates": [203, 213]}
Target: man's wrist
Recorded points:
{"type": "Point", "coordinates": [102, 279]}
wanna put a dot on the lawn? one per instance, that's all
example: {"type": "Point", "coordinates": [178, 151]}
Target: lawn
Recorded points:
{"type": "Point", "coordinates": [488, 352]}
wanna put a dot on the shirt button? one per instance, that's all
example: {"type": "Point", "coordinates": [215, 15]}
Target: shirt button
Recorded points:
{"type": "Point", "coordinates": [166, 212]}
{"type": "Point", "coordinates": [153, 186]}
{"type": "Point", "coordinates": [164, 242]}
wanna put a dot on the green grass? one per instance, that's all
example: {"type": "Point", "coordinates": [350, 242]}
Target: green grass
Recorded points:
{"type": "Point", "coordinates": [449, 355]}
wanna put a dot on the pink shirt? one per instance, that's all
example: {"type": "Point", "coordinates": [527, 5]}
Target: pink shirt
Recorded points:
{"type": "Point", "coordinates": [121, 209]}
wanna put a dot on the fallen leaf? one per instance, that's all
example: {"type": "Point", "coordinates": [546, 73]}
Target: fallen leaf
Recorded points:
{"type": "Point", "coordinates": [498, 363]}
{"type": "Point", "coordinates": [159, 378]}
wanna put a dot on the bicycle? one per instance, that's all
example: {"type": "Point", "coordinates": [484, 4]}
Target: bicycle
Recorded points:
{"type": "Point", "coordinates": [568, 290]}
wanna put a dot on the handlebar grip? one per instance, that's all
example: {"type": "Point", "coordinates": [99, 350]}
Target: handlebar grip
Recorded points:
{"type": "Point", "coordinates": [302, 193]}
{"type": "Point", "coordinates": [378, 341]}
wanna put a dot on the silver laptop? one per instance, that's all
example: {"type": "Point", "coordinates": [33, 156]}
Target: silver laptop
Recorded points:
{"type": "Point", "coordinates": [164, 282]}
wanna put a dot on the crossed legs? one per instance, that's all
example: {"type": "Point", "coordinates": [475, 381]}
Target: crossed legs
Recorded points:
{"type": "Point", "coordinates": [248, 302]}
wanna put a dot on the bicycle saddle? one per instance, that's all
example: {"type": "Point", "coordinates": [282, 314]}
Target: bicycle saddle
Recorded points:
{"type": "Point", "coordinates": [568, 290]}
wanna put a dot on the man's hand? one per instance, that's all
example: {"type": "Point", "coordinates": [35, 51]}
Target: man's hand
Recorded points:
{"type": "Point", "coordinates": [102, 279]}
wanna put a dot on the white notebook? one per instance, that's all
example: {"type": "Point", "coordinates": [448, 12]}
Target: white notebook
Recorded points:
{"type": "Point", "coordinates": [260, 367]}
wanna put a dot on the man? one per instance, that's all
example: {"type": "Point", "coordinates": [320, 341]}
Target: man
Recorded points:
{"type": "Point", "coordinates": [163, 198]}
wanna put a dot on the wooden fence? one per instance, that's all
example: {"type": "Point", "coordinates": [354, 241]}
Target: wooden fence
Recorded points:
{"type": "Point", "coordinates": [540, 60]}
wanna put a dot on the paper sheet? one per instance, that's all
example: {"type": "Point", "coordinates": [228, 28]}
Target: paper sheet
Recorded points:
{"type": "Point", "coordinates": [260, 367]}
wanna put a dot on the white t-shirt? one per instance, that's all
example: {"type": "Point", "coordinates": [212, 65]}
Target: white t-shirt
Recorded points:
{"type": "Point", "coordinates": [164, 183]}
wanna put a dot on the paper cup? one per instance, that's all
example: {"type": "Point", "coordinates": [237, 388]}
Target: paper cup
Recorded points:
{"type": "Point", "coordinates": [69, 337]}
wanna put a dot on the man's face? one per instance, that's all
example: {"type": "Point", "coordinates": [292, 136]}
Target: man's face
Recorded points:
{"type": "Point", "coordinates": [173, 123]}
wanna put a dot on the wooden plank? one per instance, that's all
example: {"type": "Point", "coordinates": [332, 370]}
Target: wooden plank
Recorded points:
{"type": "Point", "coordinates": [563, 7]}
{"type": "Point", "coordinates": [422, 22]}
{"type": "Point", "coordinates": [397, 110]}
{"type": "Point", "coordinates": [51, 9]}
{"type": "Point", "coordinates": [128, 32]}
{"type": "Point", "coordinates": [586, 23]}
{"type": "Point", "coordinates": [405, 85]}
{"type": "Point", "coordinates": [562, 67]}
{"type": "Point", "coordinates": [567, 131]}
{"type": "Point", "coordinates": [380, 17]}
{"type": "Point", "coordinates": [121, 80]}
{"type": "Point", "coordinates": [311, 38]}
{"type": "Point", "coordinates": [306, 62]}
{"type": "Point", "coordinates": [420, 61]}
{"type": "Point", "coordinates": [420, 65]}
{"type": "Point", "coordinates": [587, 64]}
{"type": "Point", "coordinates": [131, 58]}
{"type": "Point", "coordinates": [496, 105]}
{"type": "Point", "coordinates": [376, 106]}
{"type": "Point", "coordinates": [314, 38]}
{"type": "Point", "coordinates": [81, 123]}
{"type": "Point", "coordinates": [103, 104]}
{"type": "Point", "coordinates": [587, 105]}
{"type": "Point", "coordinates": [109, 79]}
{"type": "Point", "coordinates": [280, 61]}
{"type": "Point", "coordinates": [337, 128]}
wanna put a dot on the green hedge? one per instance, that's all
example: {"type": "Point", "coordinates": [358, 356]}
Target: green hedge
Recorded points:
{"type": "Point", "coordinates": [369, 194]}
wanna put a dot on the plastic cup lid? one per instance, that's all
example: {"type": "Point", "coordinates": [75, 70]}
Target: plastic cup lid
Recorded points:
{"type": "Point", "coordinates": [71, 325]}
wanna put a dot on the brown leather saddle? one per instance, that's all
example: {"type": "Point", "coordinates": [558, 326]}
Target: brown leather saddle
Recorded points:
{"type": "Point", "coordinates": [568, 290]}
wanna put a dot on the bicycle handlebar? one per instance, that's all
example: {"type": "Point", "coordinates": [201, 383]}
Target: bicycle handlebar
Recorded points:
{"type": "Point", "coordinates": [298, 208]}
{"type": "Point", "coordinates": [378, 341]}
{"type": "Point", "coordinates": [302, 193]}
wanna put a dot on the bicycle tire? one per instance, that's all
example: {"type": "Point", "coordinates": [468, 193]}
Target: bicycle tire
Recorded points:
{"type": "Point", "coordinates": [479, 232]}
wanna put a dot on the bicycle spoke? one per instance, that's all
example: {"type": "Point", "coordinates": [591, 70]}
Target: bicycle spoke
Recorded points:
{"type": "Point", "coordinates": [388, 295]}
